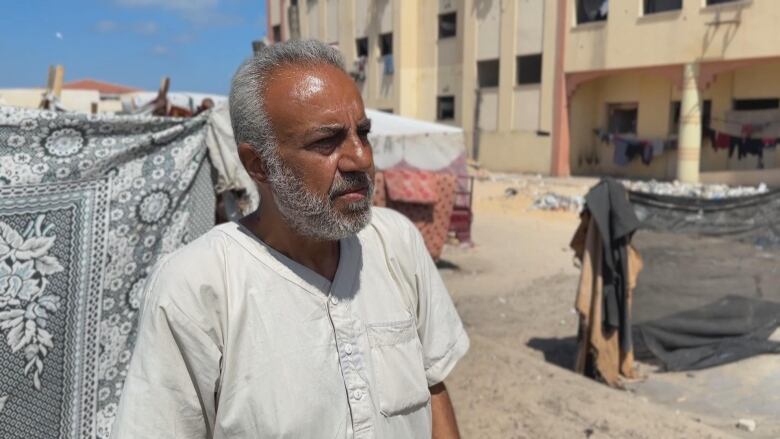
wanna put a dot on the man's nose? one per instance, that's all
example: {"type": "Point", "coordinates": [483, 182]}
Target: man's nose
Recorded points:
{"type": "Point", "coordinates": [356, 155]}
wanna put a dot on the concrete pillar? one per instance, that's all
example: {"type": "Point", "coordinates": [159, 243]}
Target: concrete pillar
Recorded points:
{"type": "Point", "coordinates": [506, 77]}
{"type": "Point", "coordinates": [559, 160]}
{"type": "Point", "coordinates": [467, 17]}
{"type": "Point", "coordinates": [689, 152]}
{"type": "Point", "coordinates": [406, 47]}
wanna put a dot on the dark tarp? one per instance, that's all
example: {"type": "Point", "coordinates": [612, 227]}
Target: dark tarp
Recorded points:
{"type": "Point", "coordinates": [710, 290]}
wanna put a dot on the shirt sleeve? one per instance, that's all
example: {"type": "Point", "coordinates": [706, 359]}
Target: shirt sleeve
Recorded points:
{"type": "Point", "coordinates": [170, 389]}
{"type": "Point", "coordinates": [439, 327]}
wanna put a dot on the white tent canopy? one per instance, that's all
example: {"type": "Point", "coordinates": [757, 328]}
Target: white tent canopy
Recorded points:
{"type": "Point", "coordinates": [405, 142]}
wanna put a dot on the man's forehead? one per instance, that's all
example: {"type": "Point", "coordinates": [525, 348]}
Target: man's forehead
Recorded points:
{"type": "Point", "coordinates": [313, 91]}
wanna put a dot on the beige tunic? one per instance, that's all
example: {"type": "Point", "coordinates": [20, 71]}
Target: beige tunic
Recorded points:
{"type": "Point", "coordinates": [238, 341]}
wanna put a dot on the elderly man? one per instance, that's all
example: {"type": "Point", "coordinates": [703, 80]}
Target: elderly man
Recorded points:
{"type": "Point", "coordinates": [314, 317]}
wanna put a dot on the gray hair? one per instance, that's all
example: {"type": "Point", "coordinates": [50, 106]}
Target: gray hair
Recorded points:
{"type": "Point", "coordinates": [247, 111]}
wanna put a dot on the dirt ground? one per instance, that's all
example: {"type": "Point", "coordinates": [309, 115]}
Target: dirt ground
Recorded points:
{"type": "Point", "coordinates": [515, 290]}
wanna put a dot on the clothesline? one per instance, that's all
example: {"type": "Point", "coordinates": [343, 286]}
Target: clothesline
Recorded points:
{"type": "Point", "coordinates": [628, 149]}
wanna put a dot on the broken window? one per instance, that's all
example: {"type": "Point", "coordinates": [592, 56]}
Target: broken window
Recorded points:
{"type": "Point", "coordinates": [386, 44]}
{"type": "Point", "coordinates": [445, 108]}
{"type": "Point", "coordinates": [362, 47]}
{"type": "Point", "coordinates": [487, 73]}
{"type": "Point", "coordinates": [622, 118]}
{"type": "Point", "coordinates": [655, 6]}
{"type": "Point", "coordinates": [589, 11]}
{"type": "Point", "coordinates": [448, 25]}
{"type": "Point", "coordinates": [277, 31]}
{"type": "Point", "coordinates": [529, 69]}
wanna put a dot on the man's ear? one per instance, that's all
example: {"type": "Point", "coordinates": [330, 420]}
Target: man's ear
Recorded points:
{"type": "Point", "coordinates": [252, 163]}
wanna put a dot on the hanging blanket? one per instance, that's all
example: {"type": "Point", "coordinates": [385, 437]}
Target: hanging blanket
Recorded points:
{"type": "Point", "coordinates": [88, 203]}
{"type": "Point", "coordinates": [409, 186]}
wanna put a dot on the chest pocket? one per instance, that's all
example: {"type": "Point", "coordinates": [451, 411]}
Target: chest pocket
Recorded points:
{"type": "Point", "coordinates": [396, 353]}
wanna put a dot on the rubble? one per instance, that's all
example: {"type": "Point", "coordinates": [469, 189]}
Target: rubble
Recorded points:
{"type": "Point", "coordinates": [694, 190]}
{"type": "Point", "coordinates": [553, 201]}
{"type": "Point", "coordinates": [748, 425]}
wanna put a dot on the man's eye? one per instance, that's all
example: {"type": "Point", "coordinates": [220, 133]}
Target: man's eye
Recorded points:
{"type": "Point", "coordinates": [328, 143]}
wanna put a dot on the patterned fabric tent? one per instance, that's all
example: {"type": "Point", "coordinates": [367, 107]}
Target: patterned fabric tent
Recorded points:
{"type": "Point", "coordinates": [88, 204]}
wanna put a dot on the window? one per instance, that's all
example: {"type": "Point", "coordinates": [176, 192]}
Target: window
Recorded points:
{"type": "Point", "coordinates": [448, 25]}
{"type": "Point", "coordinates": [277, 33]}
{"type": "Point", "coordinates": [445, 108]}
{"type": "Point", "coordinates": [529, 69]}
{"type": "Point", "coordinates": [756, 104]}
{"type": "Point", "coordinates": [622, 118]}
{"type": "Point", "coordinates": [717, 2]}
{"type": "Point", "coordinates": [386, 44]}
{"type": "Point", "coordinates": [589, 11]}
{"type": "Point", "coordinates": [654, 6]}
{"type": "Point", "coordinates": [362, 47]}
{"type": "Point", "coordinates": [487, 73]}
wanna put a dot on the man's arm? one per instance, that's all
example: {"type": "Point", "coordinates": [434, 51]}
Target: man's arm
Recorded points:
{"type": "Point", "coordinates": [444, 424]}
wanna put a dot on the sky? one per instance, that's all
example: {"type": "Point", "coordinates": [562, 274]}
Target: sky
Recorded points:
{"type": "Point", "coordinates": [197, 43]}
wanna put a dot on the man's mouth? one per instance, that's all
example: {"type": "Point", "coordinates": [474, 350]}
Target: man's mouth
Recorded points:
{"type": "Point", "coordinates": [353, 194]}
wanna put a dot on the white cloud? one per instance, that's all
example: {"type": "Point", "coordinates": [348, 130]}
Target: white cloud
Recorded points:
{"type": "Point", "coordinates": [146, 28]}
{"type": "Point", "coordinates": [160, 50]}
{"type": "Point", "coordinates": [105, 26]}
{"type": "Point", "coordinates": [142, 27]}
{"type": "Point", "coordinates": [184, 38]}
{"type": "Point", "coordinates": [199, 12]}
{"type": "Point", "coordinates": [182, 5]}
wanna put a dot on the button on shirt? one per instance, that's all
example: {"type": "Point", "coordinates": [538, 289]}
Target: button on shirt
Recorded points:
{"type": "Point", "coordinates": [238, 341]}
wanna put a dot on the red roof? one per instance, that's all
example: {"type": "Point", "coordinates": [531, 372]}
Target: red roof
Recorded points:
{"type": "Point", "coordinates": [102, 87]}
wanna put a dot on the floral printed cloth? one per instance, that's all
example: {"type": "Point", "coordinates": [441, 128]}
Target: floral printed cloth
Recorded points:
{"type": "Point", "coordinates": [88, 204]}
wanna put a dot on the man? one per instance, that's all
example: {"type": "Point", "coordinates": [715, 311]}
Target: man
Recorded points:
{"type": "Point", "coordinates": [316, 316]}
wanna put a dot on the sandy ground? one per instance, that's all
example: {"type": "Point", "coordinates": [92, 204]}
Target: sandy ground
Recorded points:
{"type": "Point", "coordinates": [515, 290]}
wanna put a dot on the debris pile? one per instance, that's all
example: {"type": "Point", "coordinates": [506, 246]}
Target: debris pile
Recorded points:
{"type": "Point", "coordinates": [553, 201]}
{"type": "Point", "coordinates": [694, 190]}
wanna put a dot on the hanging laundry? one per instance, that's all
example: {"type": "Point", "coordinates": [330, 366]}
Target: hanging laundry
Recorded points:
{"type": "Point", "coordinates": [621, 149]}
{"type": "Point", "coordinates": [658, 147]}
{"type": "Point", "coordinates": [722, 141]}
{"type": "Point", "coordinates": [735, 143]}
{"type": "Point", "coordinates": [647, 152]}
{"type": "Point", "coordinates": [753, 147]}
{"type": "Point", "coordinates": [634, 150]}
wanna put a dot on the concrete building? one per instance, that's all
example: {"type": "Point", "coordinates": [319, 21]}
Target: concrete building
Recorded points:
{"type": "Point", "coordinates": [673, 70]}
{"type": "Point", "coordinates": [532, 82]}
{"type": "Point", "coordinates": [472, 63]}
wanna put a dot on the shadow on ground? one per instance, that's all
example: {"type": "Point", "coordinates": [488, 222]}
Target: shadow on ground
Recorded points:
{"type": "Point", "coordinates": [443, 264]}
{"type": "Point", "coordinates": [558, 351]}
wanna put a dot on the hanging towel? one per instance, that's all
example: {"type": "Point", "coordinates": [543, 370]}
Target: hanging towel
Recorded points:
{"type": "Point", "coordinates": [621, 149]}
